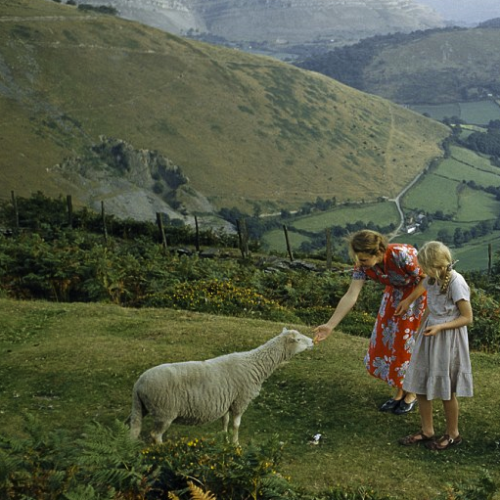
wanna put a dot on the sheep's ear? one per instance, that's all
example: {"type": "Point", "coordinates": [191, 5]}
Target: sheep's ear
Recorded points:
{"type": "Point", "coordinates": [284, 329]}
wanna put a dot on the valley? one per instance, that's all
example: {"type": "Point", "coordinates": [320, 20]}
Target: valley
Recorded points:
{"type": "Point", "coordinates": [464, 217]}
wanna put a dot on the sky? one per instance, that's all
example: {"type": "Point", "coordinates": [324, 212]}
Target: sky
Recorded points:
{"type": "Point", "coordinates": [465, 11]}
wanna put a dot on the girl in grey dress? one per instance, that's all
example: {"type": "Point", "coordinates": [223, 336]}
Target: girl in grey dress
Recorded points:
{"type": "Point", "coordinates": [440, 366]}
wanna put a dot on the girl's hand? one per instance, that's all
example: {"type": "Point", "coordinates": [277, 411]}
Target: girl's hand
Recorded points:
{"type": "Point", "coordinates": [321, 333]}
{"type": "Point", "coordinates": [432, 330]}
{"type": "Point", "coordinates": [402, 307]}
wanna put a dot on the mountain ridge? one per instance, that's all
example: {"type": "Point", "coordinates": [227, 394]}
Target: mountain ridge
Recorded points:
{"type": "Point", "coordinates": [282, 21]}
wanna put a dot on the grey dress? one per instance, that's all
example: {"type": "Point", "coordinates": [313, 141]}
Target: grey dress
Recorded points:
{"type": "Point", "coordinates": [440, 364]}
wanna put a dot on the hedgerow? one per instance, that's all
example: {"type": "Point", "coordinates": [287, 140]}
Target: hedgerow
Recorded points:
{"type": "Point", "coordinates": [62, 263]}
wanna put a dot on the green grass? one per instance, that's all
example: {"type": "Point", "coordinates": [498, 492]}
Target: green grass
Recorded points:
{"type": "Point", "coordinates": [379, 213]}
{"type": "Point", "coordinates": [275, 240]}
{"type": "Point", "coordinates": [437, 111]}
{"type": "Point", "coordinates": [433, 192]}
{"type": "Point", "coordinates": [474, 113]}
{"type": "Point", "coordinates": [441, 188]}
{"type": "Point", "coordinates": [455, 169]}
{"type": "Point", "coordinates": [70, 364]}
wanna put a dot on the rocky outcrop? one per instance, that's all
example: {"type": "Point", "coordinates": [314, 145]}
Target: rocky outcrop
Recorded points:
{"type": "Point", "coordinates": [282, 21]}
{"type": "Point", "coordinates": [135, 183]}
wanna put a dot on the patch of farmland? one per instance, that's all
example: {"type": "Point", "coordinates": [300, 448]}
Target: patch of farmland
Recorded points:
{"type": "Point", "coordinates": [474, 256]}
{"type": "Point", "coordinates": [459, 171]}
{"type": "Point", "coordinates": [382, 214]}
{"type": "Point", "coordinates": [477, 112]}
{"type": "Point", "coordinates": [274, 241]}
{"type": "Point", "coordinates": [471, 158]}
{"type": "Point", "coordinates": [437, 111]}
{"type": "Point", "coordinates": [476, 205]}
{"type": "Point", "coordinates": [432, 193]}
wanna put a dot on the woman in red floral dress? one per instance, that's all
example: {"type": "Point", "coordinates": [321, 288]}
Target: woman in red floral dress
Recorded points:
{"type": "Point", "coordinates": [395, 266]}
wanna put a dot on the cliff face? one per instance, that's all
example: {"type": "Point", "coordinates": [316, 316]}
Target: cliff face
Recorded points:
{"type": "Point", "coordinates": [282, 21]}
{"type": "Point", "coordinates": [133, 183]}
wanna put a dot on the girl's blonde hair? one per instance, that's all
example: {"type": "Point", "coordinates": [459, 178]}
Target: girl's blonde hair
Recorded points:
{"type": "Point", "coordinates": [436, 261]}
{"type": "Point", "coordinates": [367, 241]}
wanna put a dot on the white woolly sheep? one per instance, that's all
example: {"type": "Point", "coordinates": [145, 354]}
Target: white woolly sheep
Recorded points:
{"type": "Point", "coordinates": [197, 392]}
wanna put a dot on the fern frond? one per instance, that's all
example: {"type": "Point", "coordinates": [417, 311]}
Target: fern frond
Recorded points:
{"type": "Point", "coordinates": [198, 494]}
{"type": "Point", "coordinates": [172, 496]}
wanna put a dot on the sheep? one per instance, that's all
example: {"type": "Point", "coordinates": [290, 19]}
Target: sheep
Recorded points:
{"type": "Point", "coordinates": [198, 392]}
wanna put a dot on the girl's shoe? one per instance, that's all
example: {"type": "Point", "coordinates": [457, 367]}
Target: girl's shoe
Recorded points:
{"type": "Point", "coordinates": [443, 443]}
{"type": "Point", "coordinates": [416, 438]}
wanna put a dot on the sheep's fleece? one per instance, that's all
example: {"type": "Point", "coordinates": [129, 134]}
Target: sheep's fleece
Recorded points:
{"type": "Point", "coordinates": [196, 392]}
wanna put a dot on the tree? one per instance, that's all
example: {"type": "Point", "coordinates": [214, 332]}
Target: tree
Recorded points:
{"type": "Point", "coordinates": [444, 236]}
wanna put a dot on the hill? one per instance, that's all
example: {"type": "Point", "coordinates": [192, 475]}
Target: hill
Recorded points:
{"type": "Point", "coordinates": [465, 13]}
{"type": "Point", "coordinates": [279, 23]}
{"type": "Point", "coordinates": [243, 130]}
{"type": "Point", "coordinates": [433, 66]}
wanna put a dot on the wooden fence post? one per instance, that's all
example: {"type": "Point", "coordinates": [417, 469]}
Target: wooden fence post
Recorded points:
{"type": "Point", "coordinates": [161, 228]}
{"type": "Point", "coordinates": [288, 247]}
{"type": "Point", "coordinates": [16, 210]}
{"type": "Point", "coordinates": [197, 237]}
{"type": "Point", "coordinates": [489, 258]}
{"type": "Point", "coordinates": [69, 203]}
{"type": "Point", "coordinates": [328, 248]}
{"type": "Point", "coordinates": [103, 218]}
{"type": "Point", "coordinates": [242, 236]}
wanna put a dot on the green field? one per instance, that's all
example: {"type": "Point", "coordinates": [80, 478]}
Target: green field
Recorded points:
{"type": "Point", "coordinates": [479, 162]}
{"type": "Point", "coordinates": [476, 113]}
{"type": "Point", "coordinates": [432, 193]}
{"type": "Point", "coordinates": [383, 214]}
{"type": "Point", "coordinates": [275, 240]}
{"type": "Point", "coordinates": [379, 213]}
{"type": "Point", "coordinates": [442, 189]}
{"type": "Point", "coordinates": [473, 256]}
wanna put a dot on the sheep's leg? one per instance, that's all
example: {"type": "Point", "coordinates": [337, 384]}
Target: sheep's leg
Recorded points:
{"type": "Point", "coordinates": [236, 427]}
{"type": "Point", "coordinates": [135, 427]}
{"type": "Point", "coordinates": [225, 422]}
{"type": "Point", "coordinates": [135, 417]}
{"type": "Point", "coordinates": [159, 428]}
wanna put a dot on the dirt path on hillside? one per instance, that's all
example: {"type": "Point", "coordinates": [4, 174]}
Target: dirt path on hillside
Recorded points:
{"type": "Point", "coordinates": [389, 164]}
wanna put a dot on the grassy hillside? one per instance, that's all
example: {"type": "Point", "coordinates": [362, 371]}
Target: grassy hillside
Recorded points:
{"type": "Point", "coordinates": [71, 364]}
{"type": "Point", "coordinates": [426, 67]}
{"type": "Point", "coordinates": [245, 129]}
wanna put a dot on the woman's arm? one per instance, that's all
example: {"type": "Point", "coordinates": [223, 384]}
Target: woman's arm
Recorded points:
{"type": "Point", "coordinates": [346, 303]}
{"type": "Point", "coordinates": [464, 319]}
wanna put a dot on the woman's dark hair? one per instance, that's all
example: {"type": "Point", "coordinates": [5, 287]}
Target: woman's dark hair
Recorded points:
{"type": "Point", "coordinates": [367, 241]}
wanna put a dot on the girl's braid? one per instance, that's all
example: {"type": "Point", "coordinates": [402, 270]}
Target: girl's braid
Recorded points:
{"type": "Point", "coordinates": [447, 279]}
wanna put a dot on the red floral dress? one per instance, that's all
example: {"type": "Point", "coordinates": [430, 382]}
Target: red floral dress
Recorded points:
{"type": "Point", "coordinates": [392, 338]}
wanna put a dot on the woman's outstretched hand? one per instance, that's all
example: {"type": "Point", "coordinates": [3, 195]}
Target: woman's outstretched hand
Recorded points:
{"type": "Point", "coordinates": [321, 333]}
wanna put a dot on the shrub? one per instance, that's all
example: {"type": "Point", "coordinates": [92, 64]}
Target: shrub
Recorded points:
{"type": "Point", "coordinates": [221, 296]}
{"type": "Point", "coordinates": [227, 471]}
{"type": "Point", "coordinates": [484, 333]}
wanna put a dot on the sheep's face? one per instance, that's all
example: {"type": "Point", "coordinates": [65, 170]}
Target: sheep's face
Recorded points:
{"type": "Point", "coordinates": [296, 342]}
